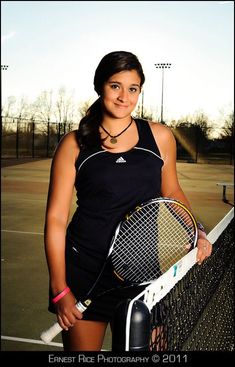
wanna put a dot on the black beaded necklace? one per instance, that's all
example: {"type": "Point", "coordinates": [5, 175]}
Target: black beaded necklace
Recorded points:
{"type": "Point", "coordinates": [113, 138]}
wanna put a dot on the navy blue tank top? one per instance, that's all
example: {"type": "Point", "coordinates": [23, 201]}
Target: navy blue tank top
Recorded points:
{"type": "Point", "coordinates": [109, 185]}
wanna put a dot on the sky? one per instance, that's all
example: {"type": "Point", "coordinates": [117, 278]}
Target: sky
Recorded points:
{"type": "Point", "coordinates": [52, 44]}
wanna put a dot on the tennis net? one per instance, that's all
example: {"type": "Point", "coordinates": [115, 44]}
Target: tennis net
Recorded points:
{"type": "Point", "coordinates": [190, 307]}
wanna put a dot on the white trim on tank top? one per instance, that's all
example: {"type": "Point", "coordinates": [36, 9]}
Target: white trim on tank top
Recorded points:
{"type": "Point", "coordinates": [106, 151]}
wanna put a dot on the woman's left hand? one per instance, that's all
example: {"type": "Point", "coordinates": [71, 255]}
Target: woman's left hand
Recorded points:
{"type": "Point", "coordinates": [204, 249]}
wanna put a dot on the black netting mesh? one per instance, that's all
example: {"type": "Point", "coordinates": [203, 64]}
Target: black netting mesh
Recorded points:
{"type": "Point", "coordinates": [198, 313]}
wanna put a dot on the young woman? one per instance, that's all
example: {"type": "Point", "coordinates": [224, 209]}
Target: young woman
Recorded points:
{"type": "Point", "coordinates": [115, 162]}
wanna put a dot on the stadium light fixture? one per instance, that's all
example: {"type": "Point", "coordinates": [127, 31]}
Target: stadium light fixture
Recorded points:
{"type": "Point", "coordinates": [162, 66]}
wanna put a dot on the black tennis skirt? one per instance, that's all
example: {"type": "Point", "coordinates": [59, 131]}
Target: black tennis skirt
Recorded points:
{"type": "Point", "coordinates": [82, 269]}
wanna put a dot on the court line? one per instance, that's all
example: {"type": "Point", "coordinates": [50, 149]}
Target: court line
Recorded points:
{"type": "Point", "coordinates": [22, 232]}
{"type": "Point", "coordinates": [32, 341]}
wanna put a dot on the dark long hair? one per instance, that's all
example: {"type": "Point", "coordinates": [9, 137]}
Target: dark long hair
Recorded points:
{"type": "Point", "coordinates": [112, 63]}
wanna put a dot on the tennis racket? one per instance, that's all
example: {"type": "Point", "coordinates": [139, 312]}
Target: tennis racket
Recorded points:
{"type": "Point", "coordinates": [146, 243]}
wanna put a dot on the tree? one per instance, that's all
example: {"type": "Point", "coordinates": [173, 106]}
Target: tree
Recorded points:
{"type": "Point", "coordinates": [227, 135]}
{"type": "Point", "coordinates": [42, 107]}
{"type": "Point", "coordinates": [202, 122]}
{"type": "Point", "coordinates": [228, 128]}
{"type": "Point", "coordinates": [83, 107]}
{"type": "Point", "coordinates": [64, 106]}
{"type": "Point", "coordinates": [8, 110]}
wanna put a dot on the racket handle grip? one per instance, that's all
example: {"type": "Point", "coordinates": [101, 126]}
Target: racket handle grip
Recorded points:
{"type": "Point", "coordinates": [49, 334]}
{"type": "Point", "coordinates": [80, 306]}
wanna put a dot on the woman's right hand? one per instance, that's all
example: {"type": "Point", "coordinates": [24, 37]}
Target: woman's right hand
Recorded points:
{"type": "Point", "coordinates": [67, 312]}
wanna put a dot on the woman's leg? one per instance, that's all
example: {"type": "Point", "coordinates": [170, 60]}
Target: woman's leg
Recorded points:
{"type": "Point", "coordinates": [84, 336]}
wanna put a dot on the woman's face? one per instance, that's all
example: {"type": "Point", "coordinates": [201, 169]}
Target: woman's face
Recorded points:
{"type": "Point", "coordinates": [120, 93]}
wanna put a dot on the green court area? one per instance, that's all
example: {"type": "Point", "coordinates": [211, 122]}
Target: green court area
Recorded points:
{"type": "Point", "coordinates": [24, 274]}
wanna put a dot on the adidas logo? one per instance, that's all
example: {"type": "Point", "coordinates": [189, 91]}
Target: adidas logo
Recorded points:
{"type": "Point", "coordinates": [120, 160]}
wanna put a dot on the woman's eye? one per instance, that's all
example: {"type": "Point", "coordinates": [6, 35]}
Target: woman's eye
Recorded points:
{"type": "Point", "coordinates": [133, 90]}
{"type": "Point", "coordinates": [114, 86]}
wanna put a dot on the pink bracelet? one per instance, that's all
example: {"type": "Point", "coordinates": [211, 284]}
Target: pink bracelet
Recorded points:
{"type": "Point", "coordinates": [61, 295]}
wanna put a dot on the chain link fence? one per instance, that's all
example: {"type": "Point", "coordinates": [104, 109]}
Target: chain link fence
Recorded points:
{"type": "Point", "coordinates": [23, 138]}
{"type": "Point", "coordinates": [28, 138]}
{"type": "Point", "coordinates": [194, 146]}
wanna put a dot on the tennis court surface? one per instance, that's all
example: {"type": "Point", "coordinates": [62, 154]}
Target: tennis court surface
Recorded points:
{"type": "Point", "coordinates": [24, 271]}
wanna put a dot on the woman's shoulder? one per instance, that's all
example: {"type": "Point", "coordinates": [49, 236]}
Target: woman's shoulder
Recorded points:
{"type": "Point", "coordinates": [160, 130]}
{"type": "Point", "coordinates": [70, 138]}
{"type": "Point", "coordinates": [164, 138]}
{"type": "Point", "coordinates": [68, 144]}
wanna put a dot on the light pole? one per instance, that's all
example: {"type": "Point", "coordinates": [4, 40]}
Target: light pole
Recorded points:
{"type": "Point", "coordinates": [142, 104]}
{"type": "Point", "coordinates": [3, 67]}
{"type": "Point", "coordinates": [162, 66]}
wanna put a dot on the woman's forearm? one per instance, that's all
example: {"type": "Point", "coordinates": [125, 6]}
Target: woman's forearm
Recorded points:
{"type": "Point", "coordinates": [55, 253]}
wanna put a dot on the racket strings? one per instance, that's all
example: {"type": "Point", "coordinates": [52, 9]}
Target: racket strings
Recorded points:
{"type": "Point", "coordinates": [176, 234]}
{"type": "Point", "coordinates": [151, 240]}
{"type": "Point", "coordinates": [180, 215]}
{"type": "Point", "coordinates": [137, 241]}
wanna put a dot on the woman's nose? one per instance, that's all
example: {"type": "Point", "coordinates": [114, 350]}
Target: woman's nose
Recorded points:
{"type": "Point", "coordinates": [123, 95]}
